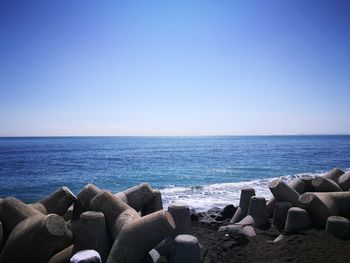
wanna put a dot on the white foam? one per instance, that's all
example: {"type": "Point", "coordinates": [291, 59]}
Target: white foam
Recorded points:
{"type": "Point", "coordinates": [201, 198]}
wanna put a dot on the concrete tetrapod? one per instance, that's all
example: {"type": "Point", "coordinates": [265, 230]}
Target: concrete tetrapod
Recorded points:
{"type": "Point", "coordinates": [182, 218]}
{"type": "Point", "coordinates": [82, 204]}
{"type": "Point", "coordinates": [300, 185]}
{"type": "Point", "coordinates": [243, 227]}
{"type": "Point", "coordinates": [69, 214]}
{"type": "Point", "coordinates": [339, 227]}
{"type": "Point", "coordinates": [152, 257]}
{"type": "Point", "coordinates": [63, 256]}
{"type": "Point", "coordinates": [139, 236]}
{"type": "Point", "coordinates": [270, 205]}
{"type": "Point", "coordinates": [154, 205]}
{"type": "Point", "coordinates": [308, 185]}
{"type": "Point", "coordinates": [138, 196]}
{"type": "Point", "coordinates": [91, 234]}
{"type": "Point", "coordinates": [38, 239]}
{"type": "Point", "coordinates": [12, 212]}
{"type": "Point", "coordinates": [283, 192]}
{"type": "Point", "coordinates": [117, 213]}
{"type": "Point", "coordinates": [280, 214]}
{"type": "Point", "coordinates": [134, 235]}
{"type": "Point", "coordinates": [244, 201]}
{"type": "Point", "coordinates": [323, 205]}
{"type": "Point", "coordinates": [344, 181]}
{"type": "Point", "coordinates": [40, 207]}
{"type": "Point", "coordinates": [322, 184]}
{"type": "Point", "coordinates": [164, 247]}
{"type": "Point", "coordinates": [334, 174]}
{"type": "Point", "coordinates": [185, 250]}
{"type": "Point", "coordinates": [297, 219]}
{"type": "Point", "coordinates": [86, 256]}
{"type": "Point", "coordinates": [257, 210]}
{"type": "Point", "coordinates": [86, 194]}
{"type": "Point", "coordinates": [1, 235]}
{"type": "Point", "coordinates": [279, 238]}
{"type": "Point", "coordinates": [57, 202]}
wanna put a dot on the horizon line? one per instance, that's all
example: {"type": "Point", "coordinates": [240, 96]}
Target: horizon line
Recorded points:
{"type": "Point", "coordinates": [189, 135]}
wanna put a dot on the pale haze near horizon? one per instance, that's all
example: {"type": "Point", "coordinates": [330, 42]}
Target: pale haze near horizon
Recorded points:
{"type": "Point", "coordinates": [174, 68]}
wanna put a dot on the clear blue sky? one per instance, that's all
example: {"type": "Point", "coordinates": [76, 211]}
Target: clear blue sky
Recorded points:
{"type": "Point", "coordinates": [70, 67]}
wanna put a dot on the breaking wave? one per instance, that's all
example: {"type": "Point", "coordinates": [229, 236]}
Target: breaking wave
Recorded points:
{"type": "Point", "coordinates": [203, 197]}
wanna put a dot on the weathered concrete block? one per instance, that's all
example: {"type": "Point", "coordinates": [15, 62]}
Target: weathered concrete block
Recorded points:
{"type": "Point", "coordinates": [134, 236]}
{"type": "Point", "coordinates": [139, 236]}
{"type": "Point", "coordinates": [278, 239]}
{"type": "Point", "coordinates": [257, 210]}
{"type": "Point", "coordinates": [185, 250]}
{"type": "Point", "coordinates": [138, 196]}
{"type": "Point", "coordinates": [86, 256]}
{"type": "Point", "coordinates": [117, 213]}
{"type": "Point", "coordinates": [87, 193]}
{"type": "Point", "coordinates": [244, 201]}
{"type": "Point", "coordinates": [308, 184]}
{"type": "Point", "coordinates": [58, 202]}
{"type": "Point", "coordinates": [243, 227]}
{"type": "Point", "coordinates": [1, 235]}
{"type": "Point", "coordinates": [297, 219]}
{"type": "Point", "coordinates": [78, 209]}
{"type": "Point", "coordinates": [91, 234]}
{"type": "Point", "coordinates": [339, 227]}
{"type": "Point", "coordinates": [300, 185]}
{"type": "Point", "coordinates": [323, 205]}
{"type": "Point", "coordinates": [154, 205]}
{"type": "Point", "coordinates": [334, 174]}
{"type": "Point", "coordinates": [152, 257]}
{"type": "Point", "coordinates": [39, 238]}
{"type": "Point", "coordinates": [68, 215]}
{"type": "Point", "coordinates": [228, 211]}
{"type": "Point", "coordinates": [40, 207]}
{"type": "Point", "coordinates": [165, 246]}
{"type": "Point", "coordinates": [322, 184]}
{"type": "Point", "coordinates": [283, 192]}
{"type": "Point", "coordinates": [344, 181]}
{"type": "Point", "coordinates": [84, 197]}
{"type": "Point", "coordinates": [270, 205]}
{"type": "Point", "coordinates": [182, 218]}
{"type": "Point", "coordinates": [14, 211]}
{"type": "Point", "coordinates": [280, 214]}
{"type": "Point", "coordinates": [63, 256]}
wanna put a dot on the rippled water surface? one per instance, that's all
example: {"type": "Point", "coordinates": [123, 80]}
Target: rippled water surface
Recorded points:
{"type": "Point", "coordinates": [201, 171]}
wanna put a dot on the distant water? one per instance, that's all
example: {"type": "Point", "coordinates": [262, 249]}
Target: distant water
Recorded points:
{"type": "Point", "coordinates": [200, 171]}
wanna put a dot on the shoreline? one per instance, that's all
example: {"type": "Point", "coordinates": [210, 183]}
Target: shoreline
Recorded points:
{"type": "Point", "coordinates": [226, 193]}
{"type": "Point", "coordinates": [305, 220]}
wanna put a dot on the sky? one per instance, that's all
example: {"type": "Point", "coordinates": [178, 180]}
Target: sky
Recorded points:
{"type": "Point", "coordinates": [83, 67]}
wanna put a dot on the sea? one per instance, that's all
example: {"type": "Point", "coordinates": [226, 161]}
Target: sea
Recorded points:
{"type": "Point", "coordinates": [202, 172]}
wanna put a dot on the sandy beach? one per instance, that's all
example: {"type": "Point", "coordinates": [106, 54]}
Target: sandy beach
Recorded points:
{"type": "Point", "coordinates": [307, 246]}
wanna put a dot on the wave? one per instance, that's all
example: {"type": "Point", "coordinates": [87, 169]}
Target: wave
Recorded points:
{"type": "Point", "coordinates": [204, 197]}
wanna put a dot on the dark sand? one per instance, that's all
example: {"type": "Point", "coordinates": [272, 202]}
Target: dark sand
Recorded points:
{"type": "Point", "coordinates": [308, 246]}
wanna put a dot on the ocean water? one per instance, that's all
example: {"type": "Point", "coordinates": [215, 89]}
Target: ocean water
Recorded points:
{"type": "Point", "coordinates": [200, 171]}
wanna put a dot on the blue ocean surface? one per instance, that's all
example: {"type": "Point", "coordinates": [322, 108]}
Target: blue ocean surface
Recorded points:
{"type": "Point", "coordinates": [200, 171]}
